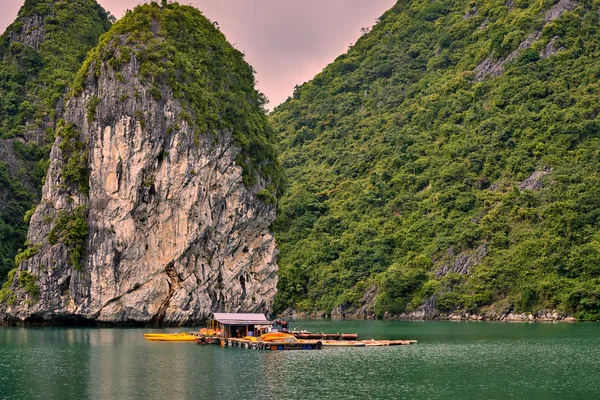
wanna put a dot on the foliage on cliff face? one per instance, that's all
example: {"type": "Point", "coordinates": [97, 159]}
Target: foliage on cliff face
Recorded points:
{"type": "Point", "coordinates": [402, 155]}
{"type": "Point", "coordinates": [40, 54]}
{"type": "Point", "coordinates": [71, 229]}
{"type": "Point", "coordinates": [180, 50]}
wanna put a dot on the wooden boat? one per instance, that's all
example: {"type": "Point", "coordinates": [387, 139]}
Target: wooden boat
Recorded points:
{"type": "Point", "coordinates": [276, 336]}
{"type": "Point", "coordinates": [330, 336]}
{"type": "Point", "coordinates": [316, 336]}
{"type": "Point", "coordinates": [349, 336]}
{"type": "Point", "coordinates": [402, 342]}
{"type": "Point", "coordinates": [170, 337]}
{"type": "Point", "coordinates": [303, 336]}
{"type": "Point", "coordinates": [207, 340]}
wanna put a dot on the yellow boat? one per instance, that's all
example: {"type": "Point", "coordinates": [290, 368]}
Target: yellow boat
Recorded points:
{"type": "Point", "coordinates": [341, 343]}
{"type": "Point", "coordinates": [169, 337]}
{"type": "Point", "coordinates": [276, 336]}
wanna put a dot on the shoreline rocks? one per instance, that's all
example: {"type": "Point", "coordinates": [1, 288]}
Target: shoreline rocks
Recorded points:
{"type": "Point", "coordinates": [542, 316]}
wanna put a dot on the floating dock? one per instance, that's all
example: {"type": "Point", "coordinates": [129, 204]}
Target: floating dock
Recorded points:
{"type": "Point", "coordinates": [238, 330]}
{"type": "Point", "coordinates": [299, 344]}
{"type": "Point", "coordinates": [274, 345]}
{"type": "Point", "coordinates": [278, 345]}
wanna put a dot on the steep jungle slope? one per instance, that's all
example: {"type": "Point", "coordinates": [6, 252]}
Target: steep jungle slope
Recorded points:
{"type": "Point", "coordinates": [40, 53]}
{"type": "Point", "coordinates": [448, 163]}
{"type": "Point", "coordinates": [160, 195]}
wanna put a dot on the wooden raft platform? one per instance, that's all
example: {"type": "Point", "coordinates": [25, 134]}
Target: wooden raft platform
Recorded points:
{"type": "Point", "coordinates": [273, 345]}
{"type": "Point", "coordinates": [300, 344]}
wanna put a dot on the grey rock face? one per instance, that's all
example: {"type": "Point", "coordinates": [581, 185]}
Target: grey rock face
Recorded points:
{"type": "Point", "coordinates": [471, 12]}
{"type": "Point", "coordinates": [534, 182]}
{"type": "Point", "coordinates": [173, 232]}
{"type": "Point", "coordinates": [463, 263]}
{"type": "Point", "coordinates": [550, 49]}
{"type": "Point", "coordinates": [559, 9]}
{"type": "Point", "coordinates": [32, 32]}
{"type": "Point", "coordinates": [484, 24]}
{"type": "Point", "coordinates": [488, 68]}
{"type": "Point", "coordinates": [8, 156]}
{"type": "Point", "coordinates": [492, 68]}
{"type": "Point", "coordinates": [365, 311]}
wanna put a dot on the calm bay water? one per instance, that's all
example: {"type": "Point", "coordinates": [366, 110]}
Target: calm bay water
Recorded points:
{"type": "Point", "coordinates": [453, 360]}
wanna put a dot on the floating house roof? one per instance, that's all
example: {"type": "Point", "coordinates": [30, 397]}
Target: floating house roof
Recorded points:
{"type": "Point", "coordinates": [241, 319]}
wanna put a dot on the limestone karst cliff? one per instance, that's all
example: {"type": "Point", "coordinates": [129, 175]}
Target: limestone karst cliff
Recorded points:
{"type": "Point", "coordinates": [160, 195]}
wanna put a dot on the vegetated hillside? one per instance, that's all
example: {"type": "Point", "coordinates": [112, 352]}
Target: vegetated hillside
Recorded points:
{"type": "Point", "coordinates": [449, 162]}
{"type": "Point", "coordinates": [40, 54]}
{"type": "Point", "coordinates": [160, 195]}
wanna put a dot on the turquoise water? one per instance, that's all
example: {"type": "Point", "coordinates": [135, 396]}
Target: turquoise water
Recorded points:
{"type": "Point", "coordinates": [453, 360]}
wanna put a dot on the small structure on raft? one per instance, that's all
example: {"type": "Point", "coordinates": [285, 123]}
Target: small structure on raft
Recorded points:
{"type": "Point", "coordinates": [229, 325]}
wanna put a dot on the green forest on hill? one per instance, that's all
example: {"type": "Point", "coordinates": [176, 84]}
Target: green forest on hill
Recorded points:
{"type": "Point", "coordinates": [32, 83]}
{"type": "Point", "coordinates": [400, 158]}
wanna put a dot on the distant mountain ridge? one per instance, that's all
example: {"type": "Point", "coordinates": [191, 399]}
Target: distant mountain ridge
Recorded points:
{"type": "Point", "coordinates": [448, 164]}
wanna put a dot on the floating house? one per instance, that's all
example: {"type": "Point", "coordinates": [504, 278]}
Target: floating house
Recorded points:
{"type": "Point", "coordinates": [255, 331]}
{"type": "Point", "coordinates": [240, 325]}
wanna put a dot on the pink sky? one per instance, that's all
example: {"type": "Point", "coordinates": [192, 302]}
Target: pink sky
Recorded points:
{"type": "Point", "coordinates": [286, 41]}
